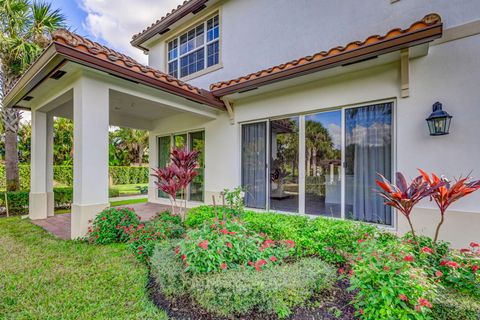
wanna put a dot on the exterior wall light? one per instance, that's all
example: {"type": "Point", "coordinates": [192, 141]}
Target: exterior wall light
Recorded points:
{"type": "Point", "coordinates": [438, 121]}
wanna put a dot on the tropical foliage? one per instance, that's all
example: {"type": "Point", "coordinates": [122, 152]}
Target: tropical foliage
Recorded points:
{"type": "Point", "coordinates": [25, 29]}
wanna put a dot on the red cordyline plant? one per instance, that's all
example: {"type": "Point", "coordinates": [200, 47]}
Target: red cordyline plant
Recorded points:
{"type": "Point", "coordinates": [404, 197]}
{"type": "Point", "coordinates": [448, 193]}
{"type": "Point", "coordinates": [175, 178]}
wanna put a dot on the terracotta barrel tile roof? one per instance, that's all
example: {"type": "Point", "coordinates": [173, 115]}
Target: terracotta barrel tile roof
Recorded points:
{"type": "Point", "coordinates": [427, 22]}
{"type": "Point", "coordinates": [79, 43]}
{"type": "Point", "coordinates": [84, 51]}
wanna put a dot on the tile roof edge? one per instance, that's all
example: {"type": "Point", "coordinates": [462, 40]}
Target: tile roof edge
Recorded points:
{"type": "Point", "coordinates": [427, 21]}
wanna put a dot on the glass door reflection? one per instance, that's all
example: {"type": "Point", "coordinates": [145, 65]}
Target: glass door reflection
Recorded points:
{"type": "Point", "coordinates": [323, 163]}
{"type": "Point", "coordinates": [284, 143]}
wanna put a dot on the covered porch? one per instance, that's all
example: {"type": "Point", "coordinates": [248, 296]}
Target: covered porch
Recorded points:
{"type": "Point", "coordinates": [95, 87]}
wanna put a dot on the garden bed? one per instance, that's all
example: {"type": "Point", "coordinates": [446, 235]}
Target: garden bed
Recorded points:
{"type": "Point", "coordinates": [332, 304]}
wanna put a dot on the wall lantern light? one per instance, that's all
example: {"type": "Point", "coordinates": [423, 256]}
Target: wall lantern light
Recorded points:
{"type": "Point", "coordinates": [438, 121]}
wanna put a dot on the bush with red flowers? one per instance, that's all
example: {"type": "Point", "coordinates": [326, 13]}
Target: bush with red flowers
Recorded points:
{"type": "Point", "coordinates": [112, 225]}
{"type": "Point", "coordinates": [460, 270]}
{"type": "Point", "coordinates": [388, 282]}
{"type": "Point", "coordinates": [224, 245]}
{"type": "Point", "coordinates": [144, 237]}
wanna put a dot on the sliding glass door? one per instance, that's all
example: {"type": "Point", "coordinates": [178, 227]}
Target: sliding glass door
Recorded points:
{"type": "Point", "coordinates": [284, 143]}
{"type": "Point", "coordinates": [190, 141]}
{"type": "Point", "coordinates": [368, 152]}
{"type": "Point", "coordinates": [254, 164]}
{"type": "Point", "coordinates": [324, 163]}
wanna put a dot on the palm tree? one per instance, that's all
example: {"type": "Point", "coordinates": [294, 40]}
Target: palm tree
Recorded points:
{"type": "Point", "coordinates": [25, 29]}
{"type": "Point", "coordinates": [131, 142]}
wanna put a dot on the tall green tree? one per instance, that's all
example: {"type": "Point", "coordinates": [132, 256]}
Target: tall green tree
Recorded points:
{"type": "Point", "coordinates": [25, 30]}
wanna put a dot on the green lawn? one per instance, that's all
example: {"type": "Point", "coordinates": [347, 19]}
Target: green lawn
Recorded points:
{"type": "Point", "coordinates": [42, 277]}
{"type": "Point", "coordinates": [128, 189]}
{"type": "Point", "coordinates": [125, 202]}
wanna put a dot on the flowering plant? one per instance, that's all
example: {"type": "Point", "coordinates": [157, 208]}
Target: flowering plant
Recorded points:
{"type": "Point", "coordinates": [223, 245]}
{"type": "Point", "coordinates": [144, 237]}
{"type": "Point", "coordinates": [390, 285]}
{"type": "Point", "coordinates": [112, 225]}
{"type": "Point", "coordinates": [460, 269]}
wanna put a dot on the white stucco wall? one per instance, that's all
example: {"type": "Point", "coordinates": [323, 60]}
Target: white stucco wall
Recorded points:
{"type": "Point", "coordinates": [450, 73]}
{"type": "Point", "coordinates": [258, 34]}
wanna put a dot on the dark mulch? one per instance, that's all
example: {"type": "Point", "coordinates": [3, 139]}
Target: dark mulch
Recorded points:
{"type": "Point", "coordinates": [334, 304]}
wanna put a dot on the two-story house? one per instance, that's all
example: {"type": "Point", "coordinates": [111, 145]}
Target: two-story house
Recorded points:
{"type": "Point", "coordinates": [302, 103]}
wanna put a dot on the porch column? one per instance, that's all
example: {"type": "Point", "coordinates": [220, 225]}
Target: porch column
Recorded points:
{"type": "Point", "coordinates": [90, 159]}
{"type": "Point", "coordinates": [38, 165]}
{"type": "Point", "coordinates": [49, 167]}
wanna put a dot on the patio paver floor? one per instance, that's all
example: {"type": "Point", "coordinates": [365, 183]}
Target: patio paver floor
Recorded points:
{"type": "Point", "coordinates": [59, 224]}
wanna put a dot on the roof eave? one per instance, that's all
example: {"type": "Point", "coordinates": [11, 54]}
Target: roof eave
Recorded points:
{"type": "Point", "coordinates": [56, 54]}
{"type": "Point", "coordinates": [48, 61]}
{"type": "Point", "coordinates": [164, 25]}
{"type": "Point", "coordinates": [410, 39]}
{"type": "Point", "coordinates": [112, 68]}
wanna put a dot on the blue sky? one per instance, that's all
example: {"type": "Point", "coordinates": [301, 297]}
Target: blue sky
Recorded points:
{"type": "Point", "coordinates": [74, 14]}
{"type": "Point", "coordinates": [113, 22]}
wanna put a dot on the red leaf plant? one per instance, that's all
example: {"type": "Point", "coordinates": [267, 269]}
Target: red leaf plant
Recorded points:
{"type": "Point", "coordinates": [175, 177]}
{"type": "Point", "coordinates": [448, 193]}
{"type": "Point", "coordinates": [404, 197]}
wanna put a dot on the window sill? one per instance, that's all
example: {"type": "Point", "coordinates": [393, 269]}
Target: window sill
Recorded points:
{"type": "Point", "coordinates": [202, 72]}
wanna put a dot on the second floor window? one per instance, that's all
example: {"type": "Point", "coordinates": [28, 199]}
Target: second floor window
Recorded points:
{"type": "Point", "coordinates": [194, 50]}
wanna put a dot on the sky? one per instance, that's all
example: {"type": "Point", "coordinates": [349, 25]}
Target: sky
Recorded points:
{"type": "Point", "coordinates": [114, 22]}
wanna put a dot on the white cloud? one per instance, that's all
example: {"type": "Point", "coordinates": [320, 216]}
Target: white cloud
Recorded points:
{"type": "Point", "coordinates": [377, 134]}
{"type": "Point", "coordinates": [116, 21]}
{"type": "Point", "coordinates": [336, 134]}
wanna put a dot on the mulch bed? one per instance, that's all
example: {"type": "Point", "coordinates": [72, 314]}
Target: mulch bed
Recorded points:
{"type": "Point", "coordinates": [334, 304]}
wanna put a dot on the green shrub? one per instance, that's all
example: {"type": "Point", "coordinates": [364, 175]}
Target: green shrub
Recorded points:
{"type": "Point", "coordinates": [113, 225]}
{"type": "Point", "coordinates": [389, 283]}
{"type": "Point", "coordinates": [330, 239]}
{"type": "Point", "coordinates": [275, 290]}
{"type": "Point", "coordinates": [112, 192]}
{"type": "Point", "coordinates": [63, 197]}
{"type": "Point", "coordinates": [451, 305]}
{"type": "Point", "coordinates": [276, 226]}
{"type": "Point", "coordinates": [333, 239]}
{"type": "Point", "coordinates": [461, 270]}
{"type": "Point", "coordinates": [129, 175]}
{"type": "Point", "coordinates": [18, 201]}
{"type": "Point", "coordinates": [63, 174]}
{"type": "Point", "coordinates": [198, 215]}
{"type": "Point", "coordinates": [144, 237]}
{"type": "Point", "coordinates": [229, 245]}
{"type": "Point", "coordinates": [167, 270]}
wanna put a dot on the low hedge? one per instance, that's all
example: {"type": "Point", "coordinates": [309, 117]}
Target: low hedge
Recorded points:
{"type": "Point", "coordinates": [330, 239]}
{"type": "Point", "coordinates": [451, 305]}
{"type": "Point", "coordinates": [129, 175]}
{"type": "Point", "coordinates": [236, 292]}
{"type": "Point", "coordinates": [18, 201]}
{"type": "Point", "coordinates": [64, 175]}
{"type": "Point", "coordinates": [167, 270]}
{"type": "Point", "coordinates": [275, 290]}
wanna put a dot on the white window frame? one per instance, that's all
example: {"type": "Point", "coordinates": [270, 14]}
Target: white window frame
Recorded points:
{"type": "Point", "coordinates": [301, 163]}
{"type": "Point", "coordinates": [204, 47]}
